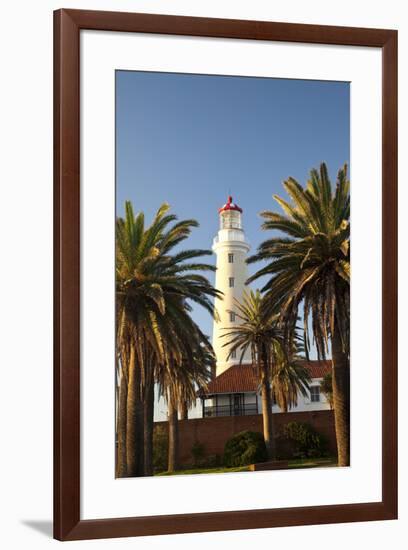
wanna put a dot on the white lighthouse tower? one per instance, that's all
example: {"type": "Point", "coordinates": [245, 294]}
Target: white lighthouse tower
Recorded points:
{"type": "Point", "coordinates": [231, 248]}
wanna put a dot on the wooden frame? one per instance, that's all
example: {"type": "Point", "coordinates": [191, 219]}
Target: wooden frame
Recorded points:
{"type": "Point", "coordinates": [67, 26]}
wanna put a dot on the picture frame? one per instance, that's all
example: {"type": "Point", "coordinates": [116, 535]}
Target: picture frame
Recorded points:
{"type": "Point", "coordinates": [68, 524]}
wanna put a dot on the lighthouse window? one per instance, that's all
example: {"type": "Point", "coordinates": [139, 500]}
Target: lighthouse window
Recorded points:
{"type": "Point", "coordinates": [232, 317]}
{"type": "Point", "coordinates": [230, 258]}
{"type": "Point", "coordinates": [233, 354]}
{"type": "Point", "coordinates": [231, 282]}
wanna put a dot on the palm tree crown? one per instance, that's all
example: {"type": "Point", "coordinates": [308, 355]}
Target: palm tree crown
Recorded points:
{"type": "Point", "coordinates": [309, 261]}
{"type": "Point", "coordinates": [255, 331]}
{"type": "Point", "coordinates": [151, 283]}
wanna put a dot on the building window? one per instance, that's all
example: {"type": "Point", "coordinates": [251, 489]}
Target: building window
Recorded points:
{"type": "Point", "coordinates": [315, 394]}
{"type": "Point", "coordinates": [233, 354]}
{"type": "Point", "coordinates": [232, 316]}
{"type": "Point", "coordinates": [230, 258]}
{"type": "Point", "coordinates": [231, 282]}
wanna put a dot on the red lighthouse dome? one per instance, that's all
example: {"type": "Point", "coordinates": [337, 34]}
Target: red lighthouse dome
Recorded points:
{"type": "Point", "coordinates": [229, 205]}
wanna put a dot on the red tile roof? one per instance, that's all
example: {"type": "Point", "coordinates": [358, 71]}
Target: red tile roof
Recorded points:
{"type": "Point", "coordinates": [242, 378]}
{"type": "Point", "coordinates": [318, 369]}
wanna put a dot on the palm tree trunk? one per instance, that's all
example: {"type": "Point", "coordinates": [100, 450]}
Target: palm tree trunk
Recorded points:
{"type": "Point", "coordinates": [121, 465]}
{"type": "Point", "coordinates": [341, 399]}
{"type": "Point", "coordinates": [134, 419]}
{"type": "Point", "coordinates": [148, 429]}
{"type": "Point", "coordinates": [173, 436]}
{"type": "Point", "coordinates": [267, 415]}
{"type": "Point", "coordinates": [183, 410]}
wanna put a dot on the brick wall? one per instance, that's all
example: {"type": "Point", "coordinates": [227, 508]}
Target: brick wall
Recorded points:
{"type": "Point", "coordinates": [214, 432]}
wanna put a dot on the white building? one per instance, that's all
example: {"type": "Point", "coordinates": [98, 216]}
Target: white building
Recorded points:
{"type": "Point", "coordinates": [234, 390]}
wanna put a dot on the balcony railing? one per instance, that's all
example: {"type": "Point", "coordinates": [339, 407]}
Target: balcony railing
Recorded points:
{"type": "Point", "coordinates": [230, 410]}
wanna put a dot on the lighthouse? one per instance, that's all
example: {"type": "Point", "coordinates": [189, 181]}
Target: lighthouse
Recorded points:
{"type": "Point", "coordinates": [231, 248]}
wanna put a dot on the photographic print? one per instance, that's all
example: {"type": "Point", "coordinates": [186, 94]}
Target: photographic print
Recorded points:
{"type": "Point", "coordinates": [232, 274]}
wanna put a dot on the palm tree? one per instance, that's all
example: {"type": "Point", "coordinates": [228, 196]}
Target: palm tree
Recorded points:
{"type": "Point", "coordinates": [309, 268]}
{"type": "Point", "coordinates": [257, 332]}
{"type": "Point", "coordinates": [153, 288]}
{"type": "Point", "coordinates": [137, 301]}
{"type": "Point", "coordinates": [183, 410]}
{"type": "Point", "coordinates": [187, 368]}
{"type": "Point", "coordinates": [180, 384]}
{"type": "Point", "coordinates": [121, 420]}
{"type": "Point", "coordinates": [326, 387]}
{"type": "Point", "coordinates": [290, 378]}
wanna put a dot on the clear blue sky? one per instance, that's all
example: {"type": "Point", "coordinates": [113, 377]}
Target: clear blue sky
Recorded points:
{"type": "Point", "coordinates": [190, 140]}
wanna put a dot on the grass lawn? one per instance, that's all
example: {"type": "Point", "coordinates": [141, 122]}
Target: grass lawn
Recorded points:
{"type": "Point", "coordinates": [298, 463]}
{"type": "Point", "coordinates": [216, 470]}
{"type": "Point", "coordinates": [312, 462]}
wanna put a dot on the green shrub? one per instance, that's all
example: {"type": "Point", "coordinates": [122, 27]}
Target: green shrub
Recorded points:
{"type": "Point", "coordinates": [245, 448]}
{"type": "Point", "coordinates": [304, 440]}
{"type": "Point", "coordinates": [213, 461]}
{"type": "Point", "coordinates": [160, 448]}
{"type": "Point", "coordinates": [197, 452]}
